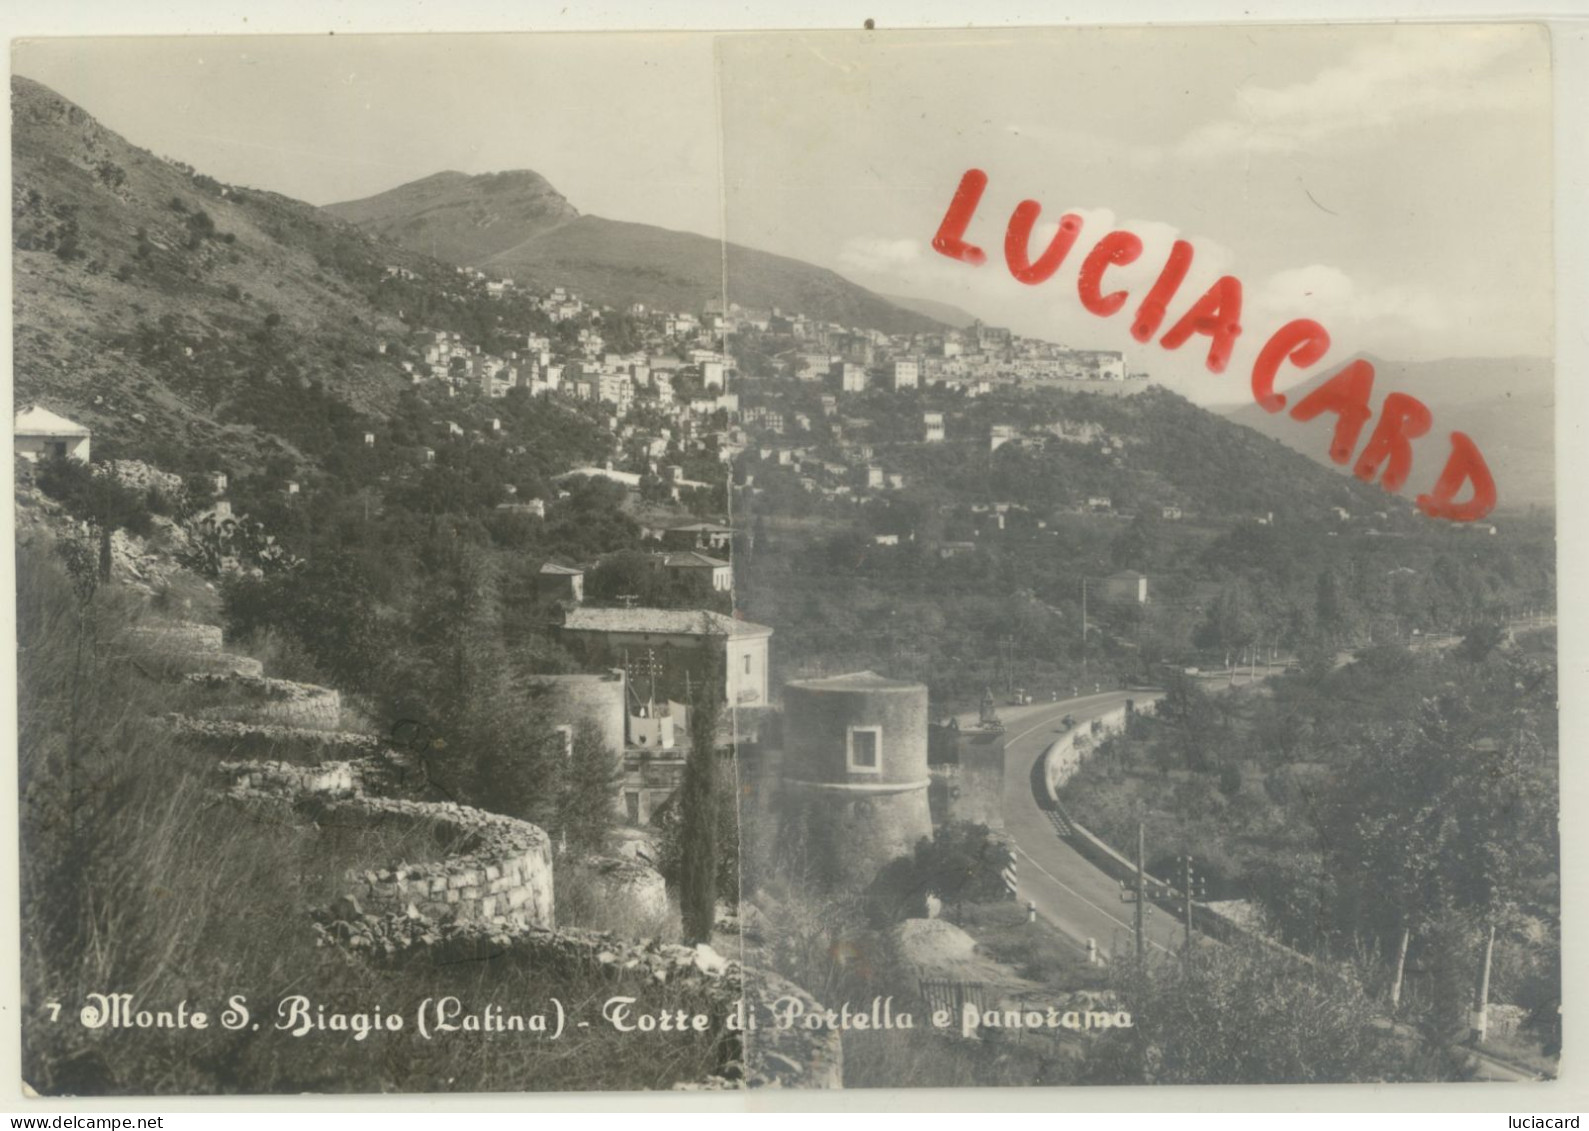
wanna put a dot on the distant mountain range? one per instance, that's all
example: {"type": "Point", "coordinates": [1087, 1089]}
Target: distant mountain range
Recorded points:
{"type": "Point", "coordinates": [1506, 404]}
{"type": "Point", "coordinates": [517, 225]}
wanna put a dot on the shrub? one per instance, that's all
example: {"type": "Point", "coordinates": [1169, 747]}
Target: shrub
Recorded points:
{"type": "Point", "coordinates": [94, 498]}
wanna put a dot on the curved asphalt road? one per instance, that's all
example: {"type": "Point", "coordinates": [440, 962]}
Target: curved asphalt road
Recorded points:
{"type": "Point", "coordinates": [1069, 891]}
{"type": "Point", "coordinates": [1072, 893]}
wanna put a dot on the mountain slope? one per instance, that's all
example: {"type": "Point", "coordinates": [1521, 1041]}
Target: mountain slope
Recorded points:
{"type": "Point", "coordinates": [515, 224]}
{"type": "Point", "coordinates": [212, 312]}
{"type": "Point", "coordinates": [945, 312]}
{"type": "Point", "coordinates": [1506, 404]}
{"type": "Point", "coordinates": [206, 326]}
{"type": "Point", "coordinates": [462, 219]}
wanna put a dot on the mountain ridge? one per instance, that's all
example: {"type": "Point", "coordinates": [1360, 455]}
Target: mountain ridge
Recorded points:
{"type": "Point", "coordinates": [1506, 404]}
{"type": "Point", "coordinates": [506, 222]}
{"type": "Point", "coordinates": [201, 326]}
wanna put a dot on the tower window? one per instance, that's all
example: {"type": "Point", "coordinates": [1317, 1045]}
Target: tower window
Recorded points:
{"type": "Point", "coordinates": [864, 750]}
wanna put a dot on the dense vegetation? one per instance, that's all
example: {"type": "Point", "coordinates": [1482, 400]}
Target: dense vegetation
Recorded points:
{"type": "Point", "coordinates": [1008, 611]}
{"type": "Point", "coordinates": [139, 879]}
{"type": "Point", "coordinates": [1406, 797]}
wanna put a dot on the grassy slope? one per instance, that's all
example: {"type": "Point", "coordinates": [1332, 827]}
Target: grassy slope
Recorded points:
{"type": "Point", "coordinates": [74, 316]}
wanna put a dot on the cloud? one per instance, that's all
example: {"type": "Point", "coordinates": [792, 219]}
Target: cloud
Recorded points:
{"type": "Point", "coordinates": [873, 255]}
{"type": "Point", "coordinates": [1461, 72]}
{"type": "Point", "coordinates": [912, 261]}
{"type": "Point", "coordinates": [1359, 314]}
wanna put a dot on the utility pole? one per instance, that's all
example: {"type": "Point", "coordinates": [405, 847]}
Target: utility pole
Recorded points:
{"type": "Point", "coordinates": [1142, 895]}
{"type": "Point", "coordinates": [1192, 884]}
{"type": "Point", "coordinates": [1084, 630]}
{"type": "Point", "coordinates": [1401, 969]}
{"type": "Point", "coordinates": [1479, 1022]}
{"type": "Point", "coordinates": [1007, 654]}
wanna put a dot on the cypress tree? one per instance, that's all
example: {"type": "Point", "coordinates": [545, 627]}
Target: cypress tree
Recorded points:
{"type": "Point", "coordinates": [698, 809]}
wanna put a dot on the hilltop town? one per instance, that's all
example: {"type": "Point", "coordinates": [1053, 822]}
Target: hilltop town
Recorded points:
{"type": "Point", "coordinates": [669, 381]}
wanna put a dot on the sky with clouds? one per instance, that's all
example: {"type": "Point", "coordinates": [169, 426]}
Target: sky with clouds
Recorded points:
{"type": "Point", "coordinates": [1392, 181]}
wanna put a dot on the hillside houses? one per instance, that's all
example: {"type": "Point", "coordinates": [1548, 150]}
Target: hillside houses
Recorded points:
{"type": "Point", "coordinates": [667, 387]}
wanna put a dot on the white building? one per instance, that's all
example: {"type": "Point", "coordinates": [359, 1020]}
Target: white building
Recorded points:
{"type": "Point", "coordinates": [39, 433]}
{"type": "Point", "coordinates": [673, 635]}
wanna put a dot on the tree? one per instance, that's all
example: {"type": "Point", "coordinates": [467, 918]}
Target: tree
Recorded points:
{"type": "Point", "coordinates": [671, 841]}
{"type": "Point", "coordinates": [588, 781]}
{"type": "Point", "coordinates": [1245, 1013]}
{"type": "Point", "coordinates": [1480, 641]}
{"type": "Point", "coordinates": [1190, 712]}
{"type": "Point", "coordinates": [1333, 607]}
{"type": "Point", "coordinates": [698, 810]}
{"type": "Point", "coordinates": [326, 607]}
{"type": "Point", "coordinates": [1231, 624]}
{"type": "Point", "coordinates": [961, 864]}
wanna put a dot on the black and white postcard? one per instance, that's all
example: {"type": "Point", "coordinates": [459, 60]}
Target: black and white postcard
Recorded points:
{"type": "Point", "coordinates": [805, 560]}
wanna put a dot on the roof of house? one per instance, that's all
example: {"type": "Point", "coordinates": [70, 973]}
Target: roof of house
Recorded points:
{"type": "Point", "coordinates": [691, 559]}
{"type": "Point", "coordinates": [628, 478]}
{"type": "Point", "coordinates": [703, 527]}
{"type": "Point", "coordinates": [561, 571]}
{"type": "Point", "coordinates": [857, 681]}
{"type": "Point", "coordinates": [36, 421]}
{"type": "Point", "coordinates": [661, 622]}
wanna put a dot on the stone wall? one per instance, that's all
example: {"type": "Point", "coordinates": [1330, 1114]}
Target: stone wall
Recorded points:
{"type": "Point", "coordinates": [262, 700]}
{"type": "Point", "coordinates": [491, 899]}
{"type": "Point", "coordinates": [185, 635]}
{"type": "Point", "coordinates": [1066, 754]}
{"type": "Point", "coordinates": [506, 875]}
{"type": "Point", "coordinates": [271, 741]}
{"type": "Point", "coordinates": [967, 769]}
{"type": "Point", "coordinates": [326, 779]}
{"type": "Point", "coordinates": [188, 648]}
{"type": "Point", "coordinates": [767, 1057]}
{"type": "Point", "coordinates": [630, 882]}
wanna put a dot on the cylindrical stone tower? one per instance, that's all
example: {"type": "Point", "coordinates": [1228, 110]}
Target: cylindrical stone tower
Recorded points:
{"type": "Point", "coordinates": [854, 774]}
